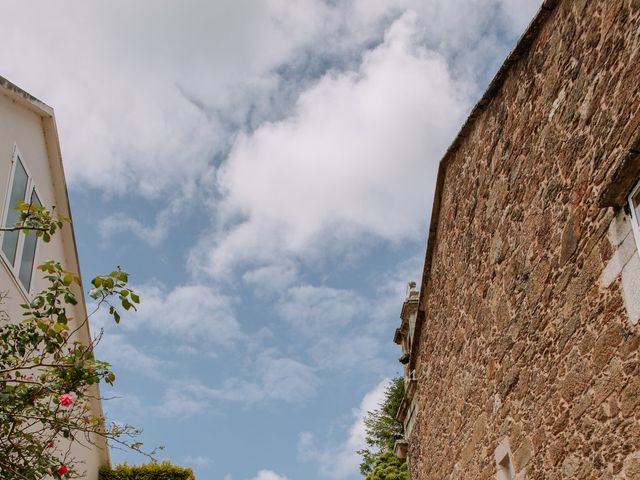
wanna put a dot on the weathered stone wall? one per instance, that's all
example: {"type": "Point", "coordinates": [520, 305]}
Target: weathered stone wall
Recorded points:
{"type": "Point", "coordinates": [522, 341]}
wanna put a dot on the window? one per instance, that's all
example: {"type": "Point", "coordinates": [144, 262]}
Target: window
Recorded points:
{"type": "Point", "coordinates": [18, 192]}
{"type": "Point", "coordinates": [19, 250]}
{"type": "Point", "coordinates": [28, 251]}
{"type": "Point", "coordinates": [634, 210]}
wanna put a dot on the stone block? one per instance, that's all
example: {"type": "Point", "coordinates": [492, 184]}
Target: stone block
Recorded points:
{"type": "Point", "coordinates": [582, 405]}
{"type": "Point", "coordinates": [606, 346]}
{"type": "Point", "coordinates": [570, 465]}
{"type": "Point", "coordinates": [574, 384]}
{"type": "Point", "coordinates": [621, 257]}
{"type": "Point", "coordinates": [632, 466]}
{"type": "Point", "coordinates": [619, 228]}
{"type": "Point", "coordinates": [570, 237]}
{"type": "Point", "coordinates": [631, 288]}
{"type": "Point", "coordinates": [509, 381]}
{"type": "Point", "coordinates": [523, 454]}
{"type": "Point", "coordinates": [630, 398]}
{"type": "Point", "coordinates": [556, 452]}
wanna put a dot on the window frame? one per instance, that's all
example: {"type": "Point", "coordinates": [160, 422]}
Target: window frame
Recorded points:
{"type": "Point", "coordinates": [635, 221]}
{"type": "Point", "coordinates": [30, 189]}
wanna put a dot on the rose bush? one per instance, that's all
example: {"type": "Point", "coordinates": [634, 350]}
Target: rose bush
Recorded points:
{"type": "Point", "coordinates": [47, 374]}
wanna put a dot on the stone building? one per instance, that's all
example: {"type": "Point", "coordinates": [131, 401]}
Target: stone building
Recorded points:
{"type": "Point", "coordinates": [31, 170]}
{"type": "Point", "coordinates": [523, 356]}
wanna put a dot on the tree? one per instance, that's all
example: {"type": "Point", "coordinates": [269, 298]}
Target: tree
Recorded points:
{"type": "Point", "coordinates": [46, 374]}
{"type": "Point", "coordinates": [382, 429]}
{"type": "Point", "coordinates": [388, 466]}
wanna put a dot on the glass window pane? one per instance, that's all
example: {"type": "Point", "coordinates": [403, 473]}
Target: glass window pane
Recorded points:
{"type": "Point", "coordinates": [28, 252]}
{"type": "Point", "coordinates": [18, 192]}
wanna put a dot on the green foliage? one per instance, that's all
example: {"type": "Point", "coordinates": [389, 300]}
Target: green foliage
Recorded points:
{"type": "Point", "coordinates": [36, 218]}
{"type": "Point", "coordinates": [114, 285]}
{"type": "Point", "coordinates": [382, 427]}
{"type": "Point", "coordinates": [388, 466]}
{"type": "Point", "coordinates": [46, 373]}
{"type": "Point", "coordinates": [149, 471]}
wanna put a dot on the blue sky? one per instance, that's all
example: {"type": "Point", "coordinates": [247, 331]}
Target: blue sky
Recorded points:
{"type": "Point", "coordinates": [264, 169]}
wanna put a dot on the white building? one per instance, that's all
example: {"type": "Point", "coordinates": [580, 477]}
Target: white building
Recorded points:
{"type": "Point", "coordinates": [31, 170]}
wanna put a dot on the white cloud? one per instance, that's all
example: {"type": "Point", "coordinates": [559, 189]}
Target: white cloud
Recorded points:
{"type": "Point", "coordinates": [344, 329]}
{"type": "Point", "coordinates": [192, 313]}
{"type": "Point", "coordinates": [520, 12]}
{"type": "Point", "coordinates": [147, 97]}
{"type": "Point", "coordinates": [122, 407]}
{"type": "Point", "coordinates": [180, 401]}
{"type": "Point", "coordinates": [453, 26]}
{"type": "Point", "coordinates": [274, 377]}
{"type": "Point", "coordinates": [268, 475]}
{"type": "Point", "coordinates": [355, 350]}
{"type": "Point", "coordinates": [336, 325]}
{"type": "Point", "coordinates": [271, 278]}
{"type": "Point", "coordinates": [357, 156]}
{"type": "Point", "coordinates": [288, 380]}
{"type": "Point", "coordinates": [117, 350]}
{"type": "Point", "coordinates": [154, 235]}
{"type": "Point", "coordinates": [343, 462]}
{"type": "Point", "coordinates": [267, 377]}
{"type": "Point", "coordinates": [197, 460]}
{"type": "Point", "coordinates": [392, 289]}
{"type": "Point", "coordinates": [317, 311]}
{"type": "Point", "coordinates": [147, 100]}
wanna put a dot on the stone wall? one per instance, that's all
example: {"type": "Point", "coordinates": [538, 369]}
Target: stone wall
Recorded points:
{"type": "Point", "coordinates": [527, 346]}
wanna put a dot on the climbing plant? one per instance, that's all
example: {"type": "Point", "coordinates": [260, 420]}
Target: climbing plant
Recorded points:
{"type": "Point", "coordinates": [47, 373]}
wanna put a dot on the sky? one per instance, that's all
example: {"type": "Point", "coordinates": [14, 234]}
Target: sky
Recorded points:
{"type": "Point", "coordinates": [264, 169]}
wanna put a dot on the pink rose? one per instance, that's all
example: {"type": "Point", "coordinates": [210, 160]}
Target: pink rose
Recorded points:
{"type": "Point", "coordinates": [66, 399]}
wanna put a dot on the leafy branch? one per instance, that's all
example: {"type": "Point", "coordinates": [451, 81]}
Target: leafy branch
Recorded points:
{"type": "Point", "coordinates": [36, 218]}
{"type": "Point", "coordinates": [48, 375]}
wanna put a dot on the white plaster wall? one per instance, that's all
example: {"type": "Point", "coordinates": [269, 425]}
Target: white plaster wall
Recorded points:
{"type": "Point", "coordinates": [24, 128]}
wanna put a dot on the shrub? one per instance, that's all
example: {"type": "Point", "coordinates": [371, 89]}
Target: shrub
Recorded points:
{"type": "Point", "coordinates": [148, 471]}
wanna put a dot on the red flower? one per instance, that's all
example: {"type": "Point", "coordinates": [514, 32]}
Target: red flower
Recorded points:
{"type": "Point", "coordinates": [66, 399]}
{"type": "Point", "coordinates": [61, 470]}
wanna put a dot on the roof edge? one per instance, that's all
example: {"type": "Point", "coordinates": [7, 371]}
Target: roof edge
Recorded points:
{"type": "Point", "coordinates": [521, 48]}
{"type": "Point", "coordinates": [58, 176]}
{"type": "Point", "coordinates": [25, 98]}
